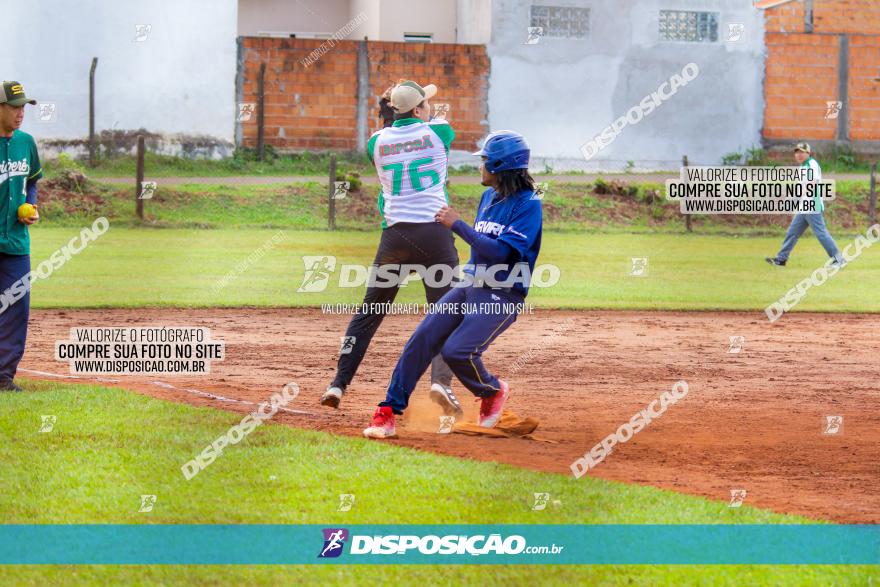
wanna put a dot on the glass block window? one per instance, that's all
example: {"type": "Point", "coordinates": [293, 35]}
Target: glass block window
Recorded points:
{"type": "Point", "coordinates": [565, 22]}
{"type": "Point", "coordinates": [689, 26]}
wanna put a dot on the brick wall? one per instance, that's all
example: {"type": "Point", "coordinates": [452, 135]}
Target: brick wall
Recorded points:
{"type": "Point", "coordinates": [785, 18]}
{"type": "Point", "coordinates": [846, 16]}
{"type": "Point", "coordinates": [864, 88]}
{"type": "Point", "coordinates": [802, 70]}
{"type": "Point", "coordinates": [800, 77]}
{"type": "Point", "coordinates": [315, 107]}
{"type": "Point", "coordinates": [306, 107]}
{"type": "Point", "coordinates": [829, 16]}
{"type": "Point", "coordinates": [461, 73]}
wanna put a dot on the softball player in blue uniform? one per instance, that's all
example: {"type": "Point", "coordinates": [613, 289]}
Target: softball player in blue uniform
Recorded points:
{"type": "Point", "coordinates": [506, 236]}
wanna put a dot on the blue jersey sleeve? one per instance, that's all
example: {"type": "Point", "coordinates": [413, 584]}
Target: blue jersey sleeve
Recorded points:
{"type": "Point", "coordinates": [523, 228]}
{"type": "Point", "coordinates": [492, 250]}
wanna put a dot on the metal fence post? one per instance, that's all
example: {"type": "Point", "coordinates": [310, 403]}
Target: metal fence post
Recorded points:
{"type": "Point", "coordinates": [261, 114]}
{"type": "Point", "coordinates": [331, 191]}
{"type": "Point", "coordinates": [92, 111]}
{"type": "Point", "coordinates": [138, 190]}
{"type": "Point", "coordinates": [872, 202]}
{"type": "Point", "coordinates": [687, 217]}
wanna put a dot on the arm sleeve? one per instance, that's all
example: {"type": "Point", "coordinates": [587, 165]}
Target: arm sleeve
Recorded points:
{"type": "Point", "coordinates": [31, 192]}
{"type": "Point", "coordinates": [36, 167]}
{"type": "Point", "coordinates": [371, 145]}
{"type": "Point", "coordinates": [524, 228]}
{"type": "Point", "coordinates": [494, 250]}
{"type": "Point", "coordinates": [444, 132]}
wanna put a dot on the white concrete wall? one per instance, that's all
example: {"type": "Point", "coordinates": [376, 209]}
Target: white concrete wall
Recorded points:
{"type": "Point", "coordinates": [180, 80]}
{"type": "Point", "coordinates": [291, 16]}
{"type": "Point", "coordinates": [370, 27]}
{"type": "Point", "coordinates": [387, 20]}
{"type": "Point", "coordinates": [474, 21]}
{"type": "Point", "coordinates": [560, 93]}
{"type": "Point", "coordinates": [417, 16]}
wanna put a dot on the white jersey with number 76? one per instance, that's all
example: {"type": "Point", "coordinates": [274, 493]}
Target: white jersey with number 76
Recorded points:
{"type": "Point", "coordinates": [412, 160]}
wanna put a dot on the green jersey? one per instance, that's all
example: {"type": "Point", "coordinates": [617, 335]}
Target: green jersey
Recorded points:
{"type": "Point", "coordinates": [817, 178]}
{"type": "Point", "coordinates": [19, 163]}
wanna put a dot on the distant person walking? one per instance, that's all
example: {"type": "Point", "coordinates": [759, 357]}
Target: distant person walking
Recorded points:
{"type": "Point", "coordinates": [816, 220]}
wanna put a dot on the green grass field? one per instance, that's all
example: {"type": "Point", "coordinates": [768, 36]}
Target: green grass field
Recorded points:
{"type": "Point", "coordinates": [130, 267]}
{"type": "Point", "coordinates": [108, 447]}
{"type": "Point", "coordinates": [598, 207]}
{"type": "Point", "coordinates": [244, 162]}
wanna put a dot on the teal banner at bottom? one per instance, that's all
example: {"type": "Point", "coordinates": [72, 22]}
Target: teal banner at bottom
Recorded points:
{"type": "Point", "coordinates": [207, 544]}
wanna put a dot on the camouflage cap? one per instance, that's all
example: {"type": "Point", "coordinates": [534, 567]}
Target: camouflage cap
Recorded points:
{"type": "Point", "coordinates": [13, 94]}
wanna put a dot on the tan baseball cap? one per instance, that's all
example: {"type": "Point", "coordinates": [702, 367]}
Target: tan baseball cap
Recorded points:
{"type": "Point", "coordinates": [805, 147]}
{"type": "Point", "coordinates": [407, 95]}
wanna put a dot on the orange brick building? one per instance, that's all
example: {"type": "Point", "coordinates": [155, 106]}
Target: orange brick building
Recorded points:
{"type": "Point", "coordinates": [821, 52]}
{"type": "Point", "coordinates": [821, 82]}
{"type": "Point", "coordinates": [332, 102]}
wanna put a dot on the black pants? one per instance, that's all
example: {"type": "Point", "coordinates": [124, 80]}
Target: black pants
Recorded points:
{"type": "Point", "coordinates": [404, 242]}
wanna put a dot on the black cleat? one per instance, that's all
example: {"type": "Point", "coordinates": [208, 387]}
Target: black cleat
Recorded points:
{"type": "Point", "coordinates": [444, 397]}
{"type": "Point", "coordinates": [775, 261]}
{"type": "Point", "coordinates": [8, 385]}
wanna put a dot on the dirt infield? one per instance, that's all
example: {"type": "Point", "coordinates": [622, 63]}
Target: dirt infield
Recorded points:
{"type": "Point", "coordinates": [752, 420]}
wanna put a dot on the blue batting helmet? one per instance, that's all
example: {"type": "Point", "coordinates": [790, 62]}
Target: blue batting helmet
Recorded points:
{"type": "Point", "coordinates": [505, 149]}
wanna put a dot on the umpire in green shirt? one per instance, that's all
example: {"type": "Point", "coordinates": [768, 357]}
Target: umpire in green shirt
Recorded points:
{"type": "Point", "coordinates": [19, 171]}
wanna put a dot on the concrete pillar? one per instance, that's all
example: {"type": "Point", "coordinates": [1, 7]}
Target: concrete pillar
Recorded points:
{"type": "Point", "coordinates": [808, 16]}
{"type": "Point", "coordinates": [239, 88]}
{"type": "Point", "coordinates": [843, 90]}
{"type": "Point", "coordinates": [363, 96]}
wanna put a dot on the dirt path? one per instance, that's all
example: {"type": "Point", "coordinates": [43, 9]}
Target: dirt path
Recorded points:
{"type": "Point", "coordinates": [752, 420]}
{"type": "Point", "coordinates": [460, 179]}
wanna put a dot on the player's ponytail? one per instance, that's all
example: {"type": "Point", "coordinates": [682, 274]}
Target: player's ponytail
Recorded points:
{"type": "Point", "coordinates": [512, 181]}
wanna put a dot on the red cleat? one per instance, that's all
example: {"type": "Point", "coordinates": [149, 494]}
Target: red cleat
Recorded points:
{"type": "Point", "coordinates": [491, 407]}
{"type": "Point", "coordinates": [382, 425]}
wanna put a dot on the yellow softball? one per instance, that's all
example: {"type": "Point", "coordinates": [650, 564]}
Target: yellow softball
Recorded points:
{"type": "Point", "coordinates": [26, 211]}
